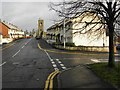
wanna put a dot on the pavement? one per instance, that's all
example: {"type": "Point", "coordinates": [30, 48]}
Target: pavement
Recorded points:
{"type": "Point", "coordinates": [81, 77]}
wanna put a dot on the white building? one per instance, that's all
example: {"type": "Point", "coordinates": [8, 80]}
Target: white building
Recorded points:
{"type": "Point", "coordinates": [0, 38]}
{"type": "Point", "coordinates": [14, 31]}
{"type": "Point", "coordinates": [77, 32]}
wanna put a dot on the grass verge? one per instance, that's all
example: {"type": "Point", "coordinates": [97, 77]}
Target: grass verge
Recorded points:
{"type": "Point", "coordinates": [110, 75]}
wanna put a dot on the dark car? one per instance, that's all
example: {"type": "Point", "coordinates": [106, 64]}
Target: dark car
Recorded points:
{"type": "Point", "coordinates": [118, 47]}
{"type": "Point", "coordinates": [38, 37]}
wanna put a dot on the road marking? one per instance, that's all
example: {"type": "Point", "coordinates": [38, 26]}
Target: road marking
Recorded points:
{"type": "Point", "coordinates": [56, 69]}
{"type": "Point", "coordinates": [52, 62]}
{"type": "Point", "coordinates": [62, 65]}
{"type": "Point", "coordinates": [27, 42]}
{"type": "Point", "coordinates": [49, 81]}
{"type": "Point", "coordinates": [39, 47]}
{"type": "Point", "coordinates": [73, 53]}
{"type": "Point", "coordinates": [57, 59]}
{"type": "Point", "coordinates": [23, 46]}
{"type": "Point", "coordinates": [59, 62]}
{"type": "Point", "coordinates": [54, 65]}
{"type": "Point", "coordinates": [48, 55]}
{"type": "Point", "coordinates": [2, 64]}
{"type": "Point", "coordinates": [13, 44]}
{"type": "Point", "coordinates": [64, 68]}
{"type": "Point", "coordinates": [16, 53]}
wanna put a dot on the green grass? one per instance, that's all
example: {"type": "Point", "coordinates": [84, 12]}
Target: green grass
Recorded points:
{"type": "Point", "coordinates": [110, 75]}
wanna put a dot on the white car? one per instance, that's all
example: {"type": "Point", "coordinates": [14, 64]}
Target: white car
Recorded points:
{"type": "Point", "coordinates": [6, 40]}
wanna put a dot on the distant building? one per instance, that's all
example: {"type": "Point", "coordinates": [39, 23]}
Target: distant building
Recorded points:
{"type": "Point", "coordinates": [76, 31]}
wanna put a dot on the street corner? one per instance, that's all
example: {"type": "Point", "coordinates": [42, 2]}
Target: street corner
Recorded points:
{"type": "Point", "coordinates": [80, 77]}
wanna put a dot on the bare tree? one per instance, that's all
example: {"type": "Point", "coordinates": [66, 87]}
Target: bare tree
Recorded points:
{"type": "Point", "coordinates": [108, 10]}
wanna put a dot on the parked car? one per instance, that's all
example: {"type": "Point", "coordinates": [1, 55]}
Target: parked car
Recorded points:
{"type": "Point", "coordinates": [118, 47]}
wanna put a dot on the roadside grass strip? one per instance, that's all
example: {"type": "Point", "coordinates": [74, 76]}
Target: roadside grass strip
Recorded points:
{"type": "Point", "coordinates": [108, 74]}
{"type": "Point", "coordinates": [49, 81]}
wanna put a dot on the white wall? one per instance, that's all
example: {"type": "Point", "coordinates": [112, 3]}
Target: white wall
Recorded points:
{"type": "Point", "coordinates": [92, 35]}
{"type": "Point", "coordinates": [84, 40]}
{"type": "Point", "coordinates": [0, 39]}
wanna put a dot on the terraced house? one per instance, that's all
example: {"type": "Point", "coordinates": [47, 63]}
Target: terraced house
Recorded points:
{"type": "Point", "coordinates": [84, 30]}
{"type": "Point", "coordinates": [9, 32]}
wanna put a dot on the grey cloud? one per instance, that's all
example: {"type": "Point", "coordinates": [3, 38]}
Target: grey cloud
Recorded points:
{"type": "Point", "coordinates": [26, 14]}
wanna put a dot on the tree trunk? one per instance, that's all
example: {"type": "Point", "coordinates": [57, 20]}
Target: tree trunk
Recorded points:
{"type": "Point", "coordinates": [111, 62]}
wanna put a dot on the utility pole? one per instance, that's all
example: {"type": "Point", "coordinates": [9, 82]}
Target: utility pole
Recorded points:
{"type": "Point", "coordinates": [64, 31]}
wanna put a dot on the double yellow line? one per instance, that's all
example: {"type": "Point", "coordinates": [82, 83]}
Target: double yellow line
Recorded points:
{"type": "Point", "coordinates": [49, 81]}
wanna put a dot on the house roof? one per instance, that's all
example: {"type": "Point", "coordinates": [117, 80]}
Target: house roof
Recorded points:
{"type": "Point", "coordinates": [5, 25]}
{"type": "Point", "coordinates": [11, 26]}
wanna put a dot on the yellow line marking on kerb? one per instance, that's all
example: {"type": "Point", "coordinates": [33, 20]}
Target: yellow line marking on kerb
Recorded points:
{"type": "Point", "coordinates": [58, 52]}
{"type": "Point", "coordinates": [40, 47]}
{"type": "Point", "coordinates": [49, 81]}
{"type": "Point", "coordinates": [55, 51]}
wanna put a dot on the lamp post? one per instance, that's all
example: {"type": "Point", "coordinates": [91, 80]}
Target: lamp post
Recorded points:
{"type": "Point", "coordinates": [64, 32]}
{"type": "Point", "coordinates": [64, 37]}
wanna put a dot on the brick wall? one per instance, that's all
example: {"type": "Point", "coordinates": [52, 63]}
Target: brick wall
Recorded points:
{"type": "Point", "coordinates": [4, 30]}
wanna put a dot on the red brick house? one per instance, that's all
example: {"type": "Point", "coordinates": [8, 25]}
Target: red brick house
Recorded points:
{"type": "Point", "coordinates": [4, 33]}
{"type": "Point", "coordinates": [4, 30]}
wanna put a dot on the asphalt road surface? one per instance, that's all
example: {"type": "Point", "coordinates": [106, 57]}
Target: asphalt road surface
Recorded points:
{"type": "Point", "coordinates": [24, 65]}
{"type": "Point", "coordinates": [27, 63]}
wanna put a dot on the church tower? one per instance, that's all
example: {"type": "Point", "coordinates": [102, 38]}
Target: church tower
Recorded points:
{"type": "Point", "coordinates": [40, 27]}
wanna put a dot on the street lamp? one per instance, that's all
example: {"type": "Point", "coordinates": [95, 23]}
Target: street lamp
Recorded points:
{"type": "Point", "coordinates": [64, 37]}
{"type": "Point", "coordinates": [64, 32]}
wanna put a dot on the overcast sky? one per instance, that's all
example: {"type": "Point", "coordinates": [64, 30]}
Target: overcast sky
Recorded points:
{"type": "Point", "coordinates": [26, 14]}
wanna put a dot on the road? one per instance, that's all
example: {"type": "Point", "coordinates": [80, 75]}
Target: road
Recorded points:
{"type": "Point", "coordinates": [25, 66]}
{"type": "Point", "coordinates": [27, 63]}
